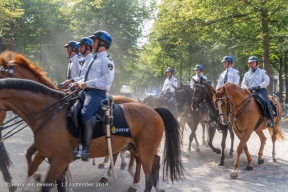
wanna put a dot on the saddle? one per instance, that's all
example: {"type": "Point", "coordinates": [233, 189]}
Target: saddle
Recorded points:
{"type": "Point", "coordinates": [263, 109]}
{"type": "Point", "coordinates": [262, 105]}
{"type": "Point", "coordinates": [119, 125]}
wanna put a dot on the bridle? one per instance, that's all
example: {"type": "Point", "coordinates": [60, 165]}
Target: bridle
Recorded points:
{"type": "Point", "coordinates": [230, 111]}
{"type": "Point", "coordinates": [183, 102]}
{"type": "Point", "coordinates": [201, 94]}
{"type": "Point", "coordinates": [9, 71]}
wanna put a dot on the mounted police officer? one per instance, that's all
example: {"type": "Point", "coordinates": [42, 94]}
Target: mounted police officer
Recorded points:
{"type": "Point", "coordinates": [257, 80]}
{"type": "Point", "coordinates": [74, 66]}
{"type": "Point", "coordinates": [169, 81]}
{"type": "Point", "coordinates": [85, 48]}
{"type": "Point", "coordinates": [199, 72]}
{"type": "Point", "coordinates": [97, 81]}
{"type": "Point", "coordinates": [230, 75]}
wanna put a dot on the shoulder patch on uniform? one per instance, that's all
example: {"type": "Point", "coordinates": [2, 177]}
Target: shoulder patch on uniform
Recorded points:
{"type": "Point", "coordinates": [110, 66]}
{"type": "Point", "coordinates": [81, 62]}
{"type": "Point", "coordinates": [109, 57]}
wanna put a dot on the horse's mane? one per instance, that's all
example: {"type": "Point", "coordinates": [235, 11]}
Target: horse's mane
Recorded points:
{"type": "Point", "coordinates": [28, 85]}
{"type": "Point", "coordinates": [22, 61]}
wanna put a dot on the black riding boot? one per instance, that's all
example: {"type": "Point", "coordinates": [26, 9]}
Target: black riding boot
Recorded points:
{"type": "Point", "coordinates": [271, 117]}
{"type": "Point", "coordinates": [87, 136]}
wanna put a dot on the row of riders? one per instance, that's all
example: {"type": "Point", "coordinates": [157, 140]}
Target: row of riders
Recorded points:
{"type": "Point", "coordinates": [95, 74]}
{"type": "Point", "coordinates": [255, 79]}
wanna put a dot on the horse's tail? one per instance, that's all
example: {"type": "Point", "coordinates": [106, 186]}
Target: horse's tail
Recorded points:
{"type": "Point", "coordinates": [172, 150]}
{"type": "Point", "coordinates": [5, 162]}
{"type": "Point", "coordinates": [277, 130]}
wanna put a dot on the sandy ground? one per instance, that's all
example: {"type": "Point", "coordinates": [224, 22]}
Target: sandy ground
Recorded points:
{"type": "Point", "coordinates": [202, 170]}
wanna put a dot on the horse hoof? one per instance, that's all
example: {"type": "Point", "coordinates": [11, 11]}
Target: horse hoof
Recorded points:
{"type": "Point", "coordinates": [221, 163]}
{"type": "Point", "coordinates": [233, 175]}
{"type": "Point", "coordinates": [123, 165]}
{"type": "Point", "coordinates": [230, 155]}
{"type": "Point", "coordinates": [261, 161]}
{"type": "Point", "coordinates": [218, 151]}
{"type": "Point", "coordinates": [198, 150]}
{"type": "Point", "coordinates": [249, 168]}
{"type": "Point", "coordinates": [131, 189]}
{"type": "Point", "coordinates": [274, 160]}
{"type": "Point", "coordinates": [12, 189]}
{"type": "Point", "coordinates": [103, 180]}
{"type": "Point", "coordinates": [37, 177]}
{"type": "Point", "coordinates": [101, 166]}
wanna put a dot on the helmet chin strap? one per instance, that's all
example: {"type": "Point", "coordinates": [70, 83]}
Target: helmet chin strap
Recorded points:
{"type": "Point", "coordinates": [99, 45]}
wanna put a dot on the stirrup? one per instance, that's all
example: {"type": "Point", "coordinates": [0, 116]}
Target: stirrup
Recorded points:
{"type": "Point", "coordinates": [85, 156]}
{"type": "Point", "coordinates": [271, 124]}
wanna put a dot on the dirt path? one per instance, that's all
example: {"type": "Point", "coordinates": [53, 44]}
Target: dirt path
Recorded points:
{"type": "Point", "coordinates": [203, 172]}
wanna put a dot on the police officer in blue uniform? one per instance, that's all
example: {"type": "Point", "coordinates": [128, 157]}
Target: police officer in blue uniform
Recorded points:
{"type": "Point", "coordinates": [97, 81]}
{"type": "Point", "coordinates": [230, 75]}
{"type": "Point", "coordinates": [257, 79]}
{"type": "Point", "coordinates": [85, 48]}
{"type": "Point", "coordinates": [199, 70]}
{"type": "Point", "coordinates": [169, 81]}
{"type": "Point", "coordinates": [74, 66]}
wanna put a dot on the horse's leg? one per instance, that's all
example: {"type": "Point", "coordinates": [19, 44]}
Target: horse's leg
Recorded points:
{"type": "Point", "coordinates": [203, 133]}
{"type": "Point", "coordinates": [123, 162]}
{"type": "Point", "coordinates": [223, 145]}
{"type": "Point", "coordinates": [211, 133]}
{"type": "Point", "coordinates": [249, 159]}
{"type": "Point", "coordinates": [131, 165]}
{"type": "Point", "coordinates": [102, 164]}
{"type": "Point", "coordinates": [32, 168]}
{"type": "Point", "coordinates": [69, 180]}
{"type": "Point", "coordinates": [243, 140]}
{"type": "Point", "coordinates": [193, 127]}
{"type": "Point", "coordinates": [263, 142]}
{"type": "Point", "coordinates": [29, 153]}
{"type": "Point", "coordinates": [61, 182]}
{"type": "Point", "coordinates": [232, 141]}
{"type": "Point", "coordinates": [57, 168]}
{"type": "Point", "coordinates": [136, 180]}
{"type": "Point", "coordinates": [182, 126]}
{"type": "Point", "coordinates": [108, 174]}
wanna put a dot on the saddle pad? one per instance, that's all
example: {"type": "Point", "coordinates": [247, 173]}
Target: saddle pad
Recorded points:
{"type": "Point", "coordinates": [120, 126]}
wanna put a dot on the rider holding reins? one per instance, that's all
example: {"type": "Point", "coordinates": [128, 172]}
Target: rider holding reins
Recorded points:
{"type": "Point", "coordinates": [257, 80]}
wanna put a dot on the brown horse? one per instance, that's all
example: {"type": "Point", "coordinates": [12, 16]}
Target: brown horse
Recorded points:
{"type": "Point", "coordinates": [203, 91]}
{"type": "Point", "coordinates": [183, 96]}
{"type": "Point", "coordinates": [239, 106]}
{"type": "Point", "coordinates": [156, 101]}
{"type": "Point", "coordinates": [30, 100]}
{"type": "Point", "coordinates": [17, 66]}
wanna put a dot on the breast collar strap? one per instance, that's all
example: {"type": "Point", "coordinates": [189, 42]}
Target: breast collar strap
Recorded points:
{"type": "Point", "coordinates": [10, 70]}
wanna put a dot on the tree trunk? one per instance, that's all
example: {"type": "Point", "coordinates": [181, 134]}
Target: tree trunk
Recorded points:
{"type": "Point", "coordinates": [266, 42]}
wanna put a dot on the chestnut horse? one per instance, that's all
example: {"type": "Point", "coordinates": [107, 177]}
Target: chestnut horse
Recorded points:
{"type": "Point", "coordinates": [239, 106]}
{"type": "Point", "coordinates": [203, 91]}
{"type": "Point", "coordinates": [183, 96]}
{"type": "Point", "coordinates": [17, 66]}
{"type": "Point", "coordinates": [29, 99]}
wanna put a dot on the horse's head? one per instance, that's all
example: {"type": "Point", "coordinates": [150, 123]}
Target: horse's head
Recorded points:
{"type": "Point", "coordinates": [199, 93]}
{"type": "Point", "coordinates": [181, 95]}
{"type": "Point", "coordinates": [221, 102]}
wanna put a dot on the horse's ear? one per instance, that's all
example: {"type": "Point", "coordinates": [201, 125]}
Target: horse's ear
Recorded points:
{"type": "Point", "coordinates": [201, 80]}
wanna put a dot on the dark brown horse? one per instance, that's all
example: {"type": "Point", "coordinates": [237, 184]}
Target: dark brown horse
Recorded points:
{"type": "Point", "coordinates": [17, 66]}
{"type": "Point", "coordinates": [239, 106]}
{"type": "Point", "coordinates": [183, 96]}
{"type": "Point", "coordinates": [157, 101]}
{"type": "Point", "coordinates": [203, 91]}
{"type": "Point", "coordinates": [30, 100]}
